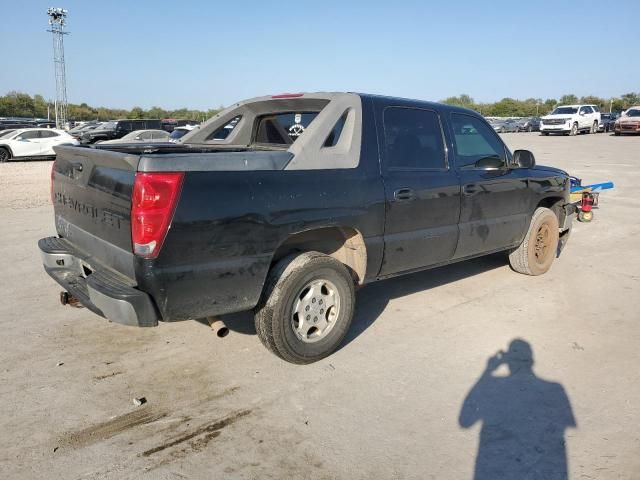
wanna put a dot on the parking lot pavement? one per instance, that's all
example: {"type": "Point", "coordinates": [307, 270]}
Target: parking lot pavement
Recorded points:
{"type": "Point", "coordinates": [409, 395]}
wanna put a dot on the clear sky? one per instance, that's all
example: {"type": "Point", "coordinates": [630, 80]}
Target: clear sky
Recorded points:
{"type": "Point", "coordinates": [203, 54]}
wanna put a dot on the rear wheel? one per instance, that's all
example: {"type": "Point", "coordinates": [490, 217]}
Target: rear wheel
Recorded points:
{"type": "Point", "coordinates": [5, 155]}
{"type": "Point", "coordinates": [544, 134]}
{"type": "Point", "coordinates": [539, 247]}
{"type": "Point", "coordinates": [307, 307]}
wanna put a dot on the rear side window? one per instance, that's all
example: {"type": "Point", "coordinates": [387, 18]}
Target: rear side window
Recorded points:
{"type": "Point", "coordinates": [413, 139]}
{"type": "Point", "coordinates": [283, 128]}
{"type": "Point", "coordinates": [224, 131]}
{"type": "Point", "coordinates": [474, 139]}
{"type": "Point", "coordinates": [334, 135]}
{"type": "Point", "coordinates": [159, 135]}
{"type": "Point", "coordinates": [48, 134]}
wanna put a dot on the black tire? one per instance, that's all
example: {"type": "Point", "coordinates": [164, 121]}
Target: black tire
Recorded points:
{"type": "Point", "coordinates": [274, 315]}
{"type": "Point", "coordinates": [533, 257]}
{"type": "Point", "coordinates": [617, 134]}
{"type": "Point", "coordinates": [574, 129]}
{"type": "Point", "coordinates": [544, 134]}
{"type": "Point", "coordinates": [5, 155]}
{"type": "Point", "coordinates": [530, 129]}
{"type": "Point", "coordinates": [594, 127]}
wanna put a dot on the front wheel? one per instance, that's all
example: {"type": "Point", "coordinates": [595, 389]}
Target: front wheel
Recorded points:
{"type": "Point", "coordinates": [537, 251]}
{"type": "Point", "coordinates": [594, 127]}
{"type": "Point", "coordinates": [574, 130]}
{"type": "Point", "coordinates": [544, 134]}
{"type": "Point", "coordinates": [5, 156]}
{"type": "Point", "coordinates": [306, 308]}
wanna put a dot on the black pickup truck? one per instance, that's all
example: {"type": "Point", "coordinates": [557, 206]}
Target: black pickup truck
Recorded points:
{"type": "Point", "coordinates": [284, 204]}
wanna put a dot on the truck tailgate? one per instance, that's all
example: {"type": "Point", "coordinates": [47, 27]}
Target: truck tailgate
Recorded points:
{"type": "Point", "coordinates": [92, 192]}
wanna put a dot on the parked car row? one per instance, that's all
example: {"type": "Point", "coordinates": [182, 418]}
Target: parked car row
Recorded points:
{"type": "Point", "coordinates": [151, 130]}
{"type": "Point", "coordinates": [525, 124]}
{"type": "Point", "coordinates": [15, 123]}
{"type": "Point", "coordinates": [574, 119]}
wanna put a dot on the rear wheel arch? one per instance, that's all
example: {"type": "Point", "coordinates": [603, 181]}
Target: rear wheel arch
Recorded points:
{"type": "Point", "coordinates": [345, 244]}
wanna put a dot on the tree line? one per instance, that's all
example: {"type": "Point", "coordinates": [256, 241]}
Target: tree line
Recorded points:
{"type": "Point", "coordinates": [17, 104]}
{"type": "Point", "coordinates": [511, 107]}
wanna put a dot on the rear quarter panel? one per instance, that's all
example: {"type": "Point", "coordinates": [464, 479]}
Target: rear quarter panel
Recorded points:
{"type": "Point", "coordinates": [228, 225]}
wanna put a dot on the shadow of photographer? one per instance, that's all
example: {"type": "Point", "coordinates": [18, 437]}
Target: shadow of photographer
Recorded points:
{"type": "Point", "coordinates": [523, 417]}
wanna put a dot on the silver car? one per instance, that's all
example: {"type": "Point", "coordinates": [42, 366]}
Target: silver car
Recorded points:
{"type": "Point", "coordinates": [504, 126]}
{"type": "Point", "coordinates": [147, 136]}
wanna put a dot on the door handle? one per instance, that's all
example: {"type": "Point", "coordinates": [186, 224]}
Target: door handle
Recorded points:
{"type": "Point", "coordinates": [404, 194]}
{"type": "Point", "coordinates": [76, 166]}
{"type": "Point", "coordinates": [470, 189]}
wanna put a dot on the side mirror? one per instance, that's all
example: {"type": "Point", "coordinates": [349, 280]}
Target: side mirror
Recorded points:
{"type": "Point", "coordinates": [490, 163]}
{"type": "Point", "coordinates": [524, 159]}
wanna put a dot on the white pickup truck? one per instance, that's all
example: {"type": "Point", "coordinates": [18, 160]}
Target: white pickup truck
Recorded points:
{"type": "Point", "coordinates": [571, 119]}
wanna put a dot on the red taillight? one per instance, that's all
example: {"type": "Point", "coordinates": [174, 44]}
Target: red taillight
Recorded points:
{"type": "Point", "coordinates": [153, 203]}
{"type": "Point", "coordinates": [288, 95]}
{"type": "Point", "coordinates": [53, 176]}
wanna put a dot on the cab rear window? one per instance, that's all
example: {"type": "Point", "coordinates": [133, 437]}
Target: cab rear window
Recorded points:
{"type": "Point", "coordinates": [282, 128]}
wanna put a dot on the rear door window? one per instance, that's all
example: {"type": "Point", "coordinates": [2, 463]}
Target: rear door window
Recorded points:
{"type": "Point", "coordinates": [283, 128]}
{"type": "Point", "coordinates": [413, 139]}
{"type": "Point", "coordinates": [474, 139]}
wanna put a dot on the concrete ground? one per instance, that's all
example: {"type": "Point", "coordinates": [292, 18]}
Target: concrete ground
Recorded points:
{"type": "Point", "coordinates": [389, 404]}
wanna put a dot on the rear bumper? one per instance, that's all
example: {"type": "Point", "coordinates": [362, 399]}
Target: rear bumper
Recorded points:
{"type": "Point", "coordinates": [103, 292]}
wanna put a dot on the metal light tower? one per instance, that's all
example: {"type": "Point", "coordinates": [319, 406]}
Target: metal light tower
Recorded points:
{"type": "Point", "coordinates": [57, 20]}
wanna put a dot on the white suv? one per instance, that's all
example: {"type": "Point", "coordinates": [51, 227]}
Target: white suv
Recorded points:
{"type": "Point", "coordinates": [571, 119]}
{"type": "Point", "coordinates": [32, 143]}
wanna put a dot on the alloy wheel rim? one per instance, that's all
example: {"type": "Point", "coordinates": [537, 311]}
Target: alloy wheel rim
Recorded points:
{"type": "Point", "coordinates": [315, 310]}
